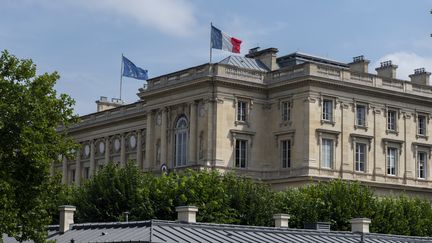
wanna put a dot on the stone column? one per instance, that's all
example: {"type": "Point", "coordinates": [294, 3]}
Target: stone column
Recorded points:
{"type": "Point", "coordinates": [92, 158]}
{"type": "Point", "coordinates": [163, 144]}
{"type": "Point", "coordinates": [193, 134]}
{"type": "Point", "coordinates": [149, 148]}
{"type": "Point", "coordinates": [64, 170]}
{"type": "Point", "coordinates": [107, 155]}
{"type": "Point", "coordinates": [78, 167]}
{"type": "Point", "coordinates": [123, 150]}
{"type": "Point", "coordinates": [139, 149]}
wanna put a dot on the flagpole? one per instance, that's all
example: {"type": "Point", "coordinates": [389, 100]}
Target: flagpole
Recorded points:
{"type": "Point", "coordinates": [121, 76]}
{"type": "Point", "coordinates": [211, 25]}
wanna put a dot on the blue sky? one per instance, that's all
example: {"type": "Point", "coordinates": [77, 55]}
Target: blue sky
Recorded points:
{"type": "Point", "coordinates": [83, 39]}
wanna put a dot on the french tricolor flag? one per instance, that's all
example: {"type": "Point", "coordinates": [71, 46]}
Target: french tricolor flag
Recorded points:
{"type": "Point", "coordinates": [222, 41]}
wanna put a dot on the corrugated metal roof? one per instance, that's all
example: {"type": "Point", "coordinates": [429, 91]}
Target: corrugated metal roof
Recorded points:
{"type": "Point", "coordinates": [174, 232]}
{"type": "Point", "coordinates": [244, 62]}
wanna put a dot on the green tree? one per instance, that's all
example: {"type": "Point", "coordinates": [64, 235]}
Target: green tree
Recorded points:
{"type": "Point", "coordinates": [113, 191]}
{"type": "Point", "coordinates": [30, 112]}
{"type": "Point", "coordinates": [403, 215]}
{"type": "Point", "coordinates": [335, 202]}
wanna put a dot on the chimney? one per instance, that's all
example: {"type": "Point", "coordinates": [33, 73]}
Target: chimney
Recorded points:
{"type": "Point", "coordinates": [360, 225]}
{"type": "Point", "coordinates": [66, 217]}
{"type": "Point", "coordinates": [281, 220]}
{"type": "Point", "coordinates": [359, 64]}
{"type": "Point", "coordinates": [104, 104]}
{"type": "Point", "coordinates": [387, 70]}
{"type": "Point", "coordinates": [186, 214]}
{"type": "Point", "coordinates": [420, 76]}
{"type": "Point", "coordinates": [266, 56]}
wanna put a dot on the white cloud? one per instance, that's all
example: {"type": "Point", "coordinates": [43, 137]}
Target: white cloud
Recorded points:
{"type": "Point", "coordinates": [174, 17]}
{"type": "Point", "coordinates": [406, 62]}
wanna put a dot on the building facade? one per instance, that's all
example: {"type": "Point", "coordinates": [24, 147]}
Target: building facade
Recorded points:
{"type": "Point", "coordinates": [286, 120]}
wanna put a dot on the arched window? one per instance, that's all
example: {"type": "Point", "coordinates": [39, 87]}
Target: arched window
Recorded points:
{"type": "Point", "coordinates": [181, 142]}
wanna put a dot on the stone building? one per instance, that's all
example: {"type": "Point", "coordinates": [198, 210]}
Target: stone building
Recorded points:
{"type": "Point", "coordinates": [287, 120]}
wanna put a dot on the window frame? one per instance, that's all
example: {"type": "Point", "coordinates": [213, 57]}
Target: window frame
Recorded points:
{"type": "Point", "coordinates": [241, 144]}
{"type": "Point", "coordinates": [286, 153]}
{"type": "Point", "coordinates": [331, 143]}
{"type": "Point", "coordinates": [241, 111]}
{"type": "Point", "coordinates": [357, 156]}
{"type": "Point", "coordinates": [419, 128]}
{"type": "Point", "coordinates": [394, 127]}
{"type": "Point", "coordinates": [425, 166]}
{"type": "Point", "coordinates": [364, 106]}
{"type": "Point", "coordinates": [327, 110]}
{"type": "Point", "coordinates": [286, 110]}
{"type": "Point", "coordinates": [389, 167]}
{"type": "Point", "coordinates": [181, 142]}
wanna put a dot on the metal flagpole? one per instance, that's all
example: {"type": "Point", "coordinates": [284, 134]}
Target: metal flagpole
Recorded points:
{"type": "Point", "coordinates": [211, 25]}
{"type": "Point", "coordinates": [121, 76]}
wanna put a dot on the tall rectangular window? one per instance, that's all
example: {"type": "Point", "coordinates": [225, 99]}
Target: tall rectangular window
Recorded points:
{"type": "Point", "coordinates": [327, 110]}
{"type": "Point", "coordinates": [86, 172]}
{"type": "Point", "coordinates": [327, 153]}
{"type": "Point", "coordinates": [391, 161]}
{"type": "Point", "coordinates": [361, 115]}
{"type": "Point", "coordinates": [286, 153]}
{"type": "Point", "coordinates": [421, 125]}
{"type": "Point", "coordinates": [421, 165]}
{"type": "Point", "coordinates": [241, 111]}
{"type": "Point", "coordinates": [286, 111]}
{"type": "Point", "coordinates": [360, 157]}
{"type": "Point", "coordinates": [241, 153]}
{"type": "Point", "coordinates": [391, 120]}
{"type": "Point", "coordinates": [72, 179]}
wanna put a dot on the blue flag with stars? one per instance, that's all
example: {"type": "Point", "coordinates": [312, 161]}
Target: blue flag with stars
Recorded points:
{"type": "Point", "coordinates": [132, 71]}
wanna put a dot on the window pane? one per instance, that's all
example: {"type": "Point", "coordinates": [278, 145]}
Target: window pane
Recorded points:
{"type": "Point", "coordinates": [421, 125]}
{"type": "Point", "coordinates": [360, 157]}
{"type": "Point", "coordinates": [286, 153]}
{"type": "Point", "coordinates": [327, 153]}
{"type": "Point", "coordinates": [391, 161]}
{"type": "Point", "coordinates": [421, 165]}
{"type": "Point", "coordinates": [327, 110]}
{"type": "Point", "coordinates": [361, 115]}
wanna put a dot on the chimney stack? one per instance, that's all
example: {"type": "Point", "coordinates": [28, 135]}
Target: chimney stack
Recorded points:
{"type": "Point", "coordinates": [104, 104]}
{"type": "Point", "coordinates": [387, 70]}
{"type": "Point", "coordinates": [266, 56]}
{"type": "Point", "coordinates": [186, 214]}
{"type": "Point", "coordinates": [281, 220]}
{"type": "Point", "coordinates": [66, 217]}
{"type": "Point", "coordinates": [359, 64]}
{"type": "Point", "coordinates": [360, 225]}
{"type": "Point", "coordinates": [420, 76]}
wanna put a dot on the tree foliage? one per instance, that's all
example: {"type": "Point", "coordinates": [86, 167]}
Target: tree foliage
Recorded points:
{"type": "Point", "coordinates": [229, 198]}
{"type": "Point", "coordinates": [30, 112]}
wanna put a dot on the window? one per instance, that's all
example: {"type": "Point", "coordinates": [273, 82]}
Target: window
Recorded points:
{"type": "Point", "coordinates": [391, 120]}
{"type": "Point", "coordinates": [361, 115]}
{"type": "Point", "coordinates": [391, 161]}
{"type": "Point", "coordinates": [327, 112]}
{"type": "Point", "coordinates": [286, 111]}
{"type": "Point", "coordinates": [241, 111]}
{"type": "Point", "coordinates": [286, 153]}
{"type": "Point", "coordinates": [327, 153]}
{"type": "Point", "coordinates": [421, 125]}
{"type": "Point", "coordinates": [72, 174]}
{"type": "Point", "coordinates": [181, 142]}
{"type": "Point", "coordinates": [360, 157]}
{"type": "Point", "coordinates": [241, 153]}
{"type": "Point", "coordinates": [86, 172]}
{"type": "Point", "coordinates": [421, 165]}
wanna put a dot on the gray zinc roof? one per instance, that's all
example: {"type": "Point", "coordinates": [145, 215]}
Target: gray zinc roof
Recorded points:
{"type": "Point", "coordinates": [174, 232]}
{"type": "Point", "coordinates": [244, 62]}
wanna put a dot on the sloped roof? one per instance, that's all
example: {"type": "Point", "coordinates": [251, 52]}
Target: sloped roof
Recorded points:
{"type": "Point", "coordinates": [174, 232]}
{"type": "Point", "coordinates": [244, 62]}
